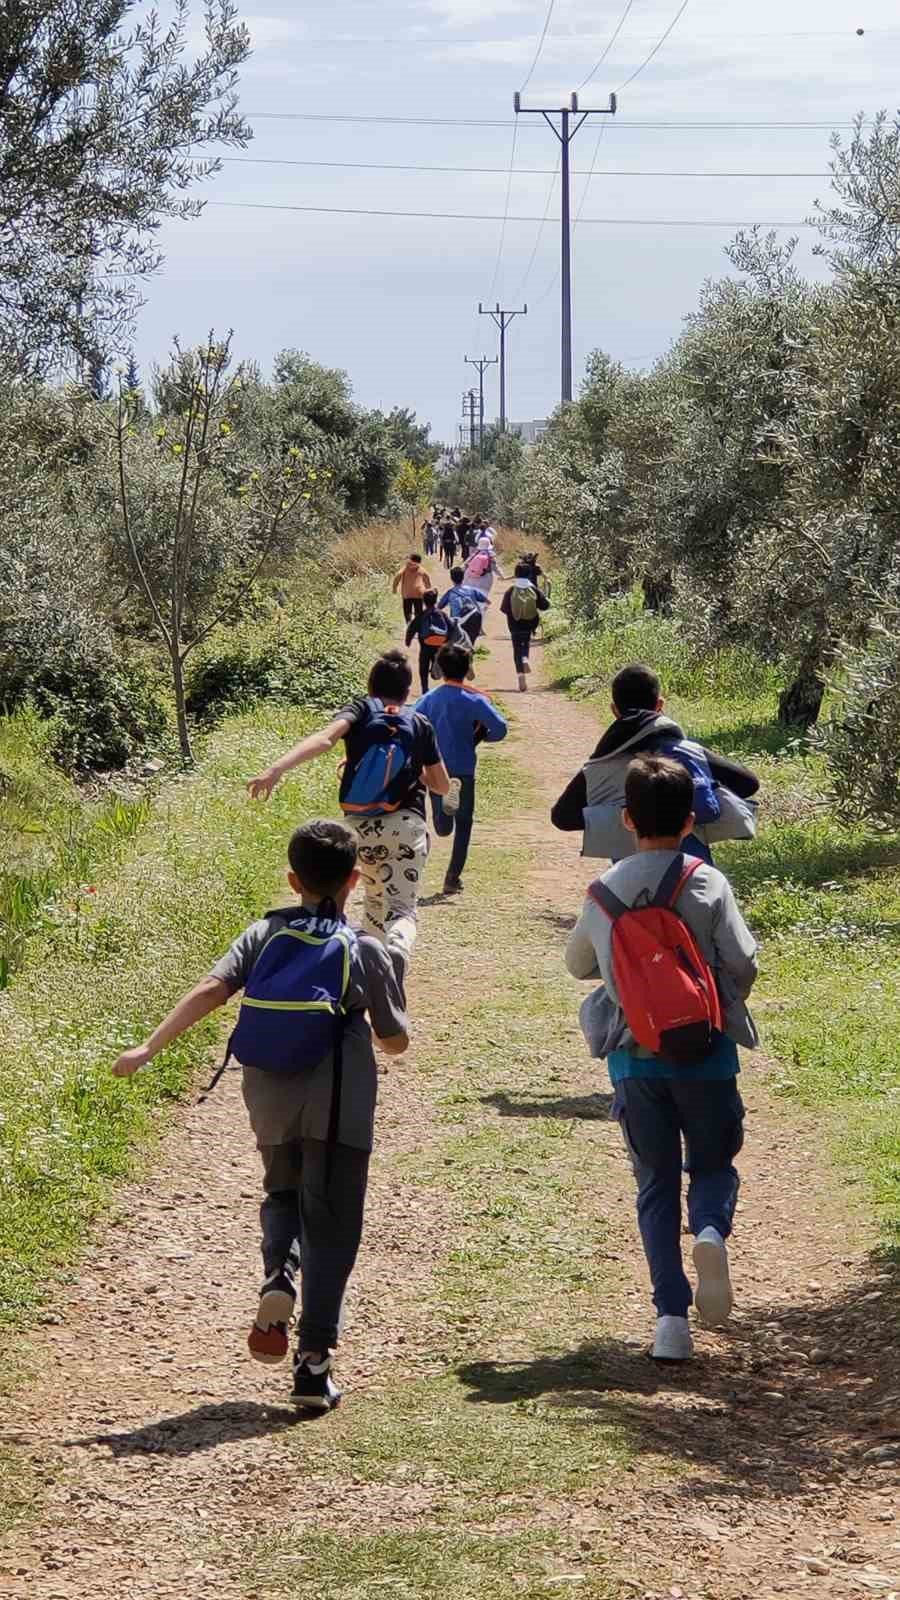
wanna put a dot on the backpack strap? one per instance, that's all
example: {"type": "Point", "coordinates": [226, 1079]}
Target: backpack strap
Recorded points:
{"type": "Point", "coordinates": [607, 901]}
{"type": "Point", "coordinates": [674, 879]}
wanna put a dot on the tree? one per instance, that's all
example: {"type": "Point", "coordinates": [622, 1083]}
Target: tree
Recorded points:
{"type": "Point", "coordinates": [199, 518]}
{"type": "Point", "coordinates": [410, 438]}
{"type": "Point", "coordinates": [415, 487]}
{"type": "Point", "coordinates": [100, 129]}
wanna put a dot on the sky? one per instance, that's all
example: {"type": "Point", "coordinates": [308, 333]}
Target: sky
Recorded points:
{"type": "Point", "coordinates": [393, 300]}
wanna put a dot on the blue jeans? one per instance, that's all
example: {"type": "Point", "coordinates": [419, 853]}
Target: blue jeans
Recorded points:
{"type": "Point", "coordinates": [654, 1114]}
{"type": "Point", "coordinates": [459, 825]}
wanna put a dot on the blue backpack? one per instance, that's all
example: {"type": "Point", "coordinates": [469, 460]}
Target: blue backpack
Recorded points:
{"type": "Point", "coordinates": [385, 772]}
{"type": "Point", "coordinates": [294, 1005]}
{"type": "Point", "coordinates": [693, 756]}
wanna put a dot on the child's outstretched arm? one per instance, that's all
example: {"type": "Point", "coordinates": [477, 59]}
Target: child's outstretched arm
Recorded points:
{"type": "Point", "coordinates": [315, 744]}
{"type": "Point", "coordinates": [206, 996]}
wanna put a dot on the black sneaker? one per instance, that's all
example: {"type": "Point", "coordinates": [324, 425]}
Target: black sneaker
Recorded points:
{"type": "Point", "coordinates": [314, 1388]}
{"type": "Point", "coordinates": [453, 886]}
{"type": "Point", "coordinates": [267, 1340]}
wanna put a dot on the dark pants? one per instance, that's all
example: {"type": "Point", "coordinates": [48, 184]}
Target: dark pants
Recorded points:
{"type": "Point", "coordinates": [412, 608]}
{"type": "Point", "coordinates": [427, 653]}
{"type": "Point", "coordinates": [654, 1114]}
{"type": "Point", "coordinates": [459, 825]}
{"type": "Point", "coordinates": [449, 555]}
{"type": "Point", "coordinates": [521, 643]}
{"type": "Point", "coordinates": [472, 626]}
{"type": "Point", "coordinates": [312, 1220]}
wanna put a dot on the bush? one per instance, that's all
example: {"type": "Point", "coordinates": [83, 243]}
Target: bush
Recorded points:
{"type": "Point", "coordinates": [860, 740]}
{"type": "Point", "coordinates": [299, 657]}
{"type": "Point", "coordinates": [104, 709]}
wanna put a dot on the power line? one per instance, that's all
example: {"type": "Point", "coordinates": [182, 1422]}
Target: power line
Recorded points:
{"type": "Point", "coordinates": [504, 122]}
{"type": "Point", "coordinates": [543, 223]}
{"type": "Point", "coordinates": [598, 64]}
{"type": "Point", "coordinates": [523, 172]}
{"type": "Point", "coordinates": [509, 182]}
{"type": "Point", "coordinates": [480, 216]}
{"type": "Point", "coordinates": [541, 42]}
{"type": "Point", "coordinates": [433, 41]}
{"type": "Point", "coordinates": [657, 47]}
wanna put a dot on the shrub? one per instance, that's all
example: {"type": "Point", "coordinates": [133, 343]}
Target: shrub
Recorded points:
{"type": "Point", "coordinates": [860, 740]}
{"type": "Point", "coordinates": [304, 658]}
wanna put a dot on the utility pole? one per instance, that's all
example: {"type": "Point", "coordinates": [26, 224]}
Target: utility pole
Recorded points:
{"type": "Point", "coordinates": [481, 365]}
{"type": "Point", "coordinates": [503, 320]}
{"type": "Point", "coordinates": [565, 133]}
{"type": "Point", "coordinates": [470, 414]}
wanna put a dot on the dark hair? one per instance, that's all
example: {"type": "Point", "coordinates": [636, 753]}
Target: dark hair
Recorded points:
{"type": "Point", "coordinates": [636, 688]}
{"type": "Point", "coordinates": [323, 855]}
{"type": "Point", "coordinates": [659, 795]}
{"type": "Point", "coordinates": [415, 558]}
{"type": "Point", "coordinates": [430, 597]}
{"type": "Point", "coordinates": [457, 574]}
{"type": "Point", "coordinates": [523, 569]}
{"type": "Point", "coordinates": [391, 677]}
{"type": "Point", "coordinates": [454, 661]}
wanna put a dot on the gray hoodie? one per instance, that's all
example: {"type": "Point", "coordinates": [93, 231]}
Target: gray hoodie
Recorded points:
{"type": "Point", "coordinates": [707, 905]}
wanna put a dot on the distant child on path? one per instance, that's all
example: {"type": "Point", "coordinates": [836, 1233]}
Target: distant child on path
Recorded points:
{"type": "Point", "coordinates": [433, 629]}
{"type": "Point", "coordinates": [466, 603]}
{"type": "Point", "coordinates": [413, 582]}
{"type": "Point", "coordinates": [448, 543]}
{"type": "Point", "coordinates": [392, 757]}
{"type": "Point", "coordinates": [483, 567]}
{"type": "Point", "coordinates": [429, 538]}
{"type": "Point", "coordinates": [461, 718]}
{"type": "Point", "coordinates": [522, 605]}
{"type": "Point", "coordinates": [703, 963]}
{"type": "Point", "coordinates": [310, 1081]}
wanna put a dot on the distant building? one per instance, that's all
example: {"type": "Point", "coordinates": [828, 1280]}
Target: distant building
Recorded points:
{"type": "Point", "coordinates": [531, 432]}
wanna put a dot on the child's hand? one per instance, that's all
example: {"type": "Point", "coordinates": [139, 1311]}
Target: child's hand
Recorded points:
{"type": "Point", "coordinates": [260, 788]}
{"type": "Point", "coordinates": [131, 1061]}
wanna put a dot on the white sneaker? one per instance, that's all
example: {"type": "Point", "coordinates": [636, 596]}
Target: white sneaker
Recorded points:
{"type": "Point", "coordinates": [451, 798]}
{"type": "Point", "coordinates": [714, 1298]}
{"type": "Point", "coordinates": [523, 685]}
{"type": "Point", "coordinates": [673, 1340]}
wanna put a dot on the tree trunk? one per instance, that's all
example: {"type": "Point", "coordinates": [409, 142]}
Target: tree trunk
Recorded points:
{"type": "Point", "coordinates": [800, 703]}
{"type": "Point", "coordinates": [184, 737]}
{"type": "Point", "coordinates": [657, 592]}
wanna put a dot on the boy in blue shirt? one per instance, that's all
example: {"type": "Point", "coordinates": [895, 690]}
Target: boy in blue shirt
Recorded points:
{"type": "Point", "coordinates": [461, 719]}
{"type": "Point", "coordinates": [657, 1102]}
{"type": "Point", "coordinates": [466, 603]}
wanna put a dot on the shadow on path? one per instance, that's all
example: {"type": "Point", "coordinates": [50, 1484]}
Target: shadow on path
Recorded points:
{"type": "Point", "coordinates": [205, 1428]}
{"type": "Point", "coordinates": [587, 1107]}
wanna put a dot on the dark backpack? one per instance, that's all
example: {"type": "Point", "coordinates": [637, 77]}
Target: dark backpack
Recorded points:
{"type": "Point", "coordinates": [384, 770]}
{"type": "Point", "coordinates": [666, 987]}
{"type": "Point", "coordinates": [434, 629]}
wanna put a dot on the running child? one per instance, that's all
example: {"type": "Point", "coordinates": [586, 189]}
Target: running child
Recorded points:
{"type": "Point", "coordinates": [466, 603]}
{"type": "Point", "coordinates": [461, 718]}
{"type": "Point", "coordinates": [433, 629]}
{"type": "Point", "coordinates": [671, 1043]}
{"type": "Point", "coordinates": [448, 543]}
{"type": "Point", "coordinates": [392, 757]}
{"type": "Point", "coordinates": [309, 1084]}
{"type": "Point", "coordinates": [412, 581]}
{"type": "Point", "coordinates": [522, 605]}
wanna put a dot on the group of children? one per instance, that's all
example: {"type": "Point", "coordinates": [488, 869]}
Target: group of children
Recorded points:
{"type": "Point", "coordinates": [444, 532]}
{"type": "Point", "coordinates": [660, 929]}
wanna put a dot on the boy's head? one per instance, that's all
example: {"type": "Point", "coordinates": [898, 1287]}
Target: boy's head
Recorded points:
{"type": "Point", "coordinates": [523, 570]}
{"type": "Point", "coordinates": [456, 574]}
{"type": "Point", "coordinates": [322, 857]}
{"type": "Point", "coordinates": [391, 678]}
{"type": "Point", "coordinates": [659, 799]}
{"type": "Point", "coordinates": [454, 661]}
{"type": "Point", "coordinates": [415, 560]}
{"type": "Point", "coordinates": [635, 688]}
{"type": "Point", "coordinates": [430, 597]}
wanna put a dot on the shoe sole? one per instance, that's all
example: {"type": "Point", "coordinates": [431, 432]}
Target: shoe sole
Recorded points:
{"type": "Point", "coordinates": [314, 1403]}
{"type": "Point", "coordinates": [714, 1298]}
{"type": "Point", "coordinates": [267, 1340]}
{"type": "Point", "coordinates": [672, 1361]}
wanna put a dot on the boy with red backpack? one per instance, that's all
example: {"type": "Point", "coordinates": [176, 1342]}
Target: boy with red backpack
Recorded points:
{"type": "Point", "coordinates": [392, 758]}
{"type": "Point", "coordinates": [663, 931]}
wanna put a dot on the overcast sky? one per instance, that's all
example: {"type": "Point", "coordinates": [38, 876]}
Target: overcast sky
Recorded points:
{"type": "Point", "coordinates": [393, 300]}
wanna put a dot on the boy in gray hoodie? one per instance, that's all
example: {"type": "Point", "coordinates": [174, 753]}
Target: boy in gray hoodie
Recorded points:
{"type": "Point", "coordinates": [658, 1102]}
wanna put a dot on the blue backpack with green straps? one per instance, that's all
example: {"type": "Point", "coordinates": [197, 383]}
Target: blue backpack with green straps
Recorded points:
{"type": "Point", "coordinates": [294, 1005]}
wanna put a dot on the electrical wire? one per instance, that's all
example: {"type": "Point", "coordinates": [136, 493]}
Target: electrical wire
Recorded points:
{"type": "Point", "coordinates": [543, 223]}
{"type": "Point", "coordinates": [525, 172]}
{"type": "Point", "coordinates": [657, 47]}
{"type": "Point", "coordinates": [509, 182]}
{"type": "Point", "coordinates": [598, 64]}
{"type": "Point", "coordinates": [539, 51]}
{"type": "Point", "coordinates": [506, 122]}
{"type": "Point", "coordinates": [481, 216]}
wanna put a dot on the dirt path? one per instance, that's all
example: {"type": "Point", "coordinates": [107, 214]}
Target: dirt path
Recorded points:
{"type": "Point", "coordinates": [154, 1449]}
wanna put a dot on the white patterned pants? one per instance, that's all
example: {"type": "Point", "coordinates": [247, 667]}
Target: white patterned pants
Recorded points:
{"type": "Point", "coordinates": [392, 855]}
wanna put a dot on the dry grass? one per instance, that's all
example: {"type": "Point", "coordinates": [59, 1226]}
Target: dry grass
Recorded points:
{"type": "Point", "coordinates": [377, 548]}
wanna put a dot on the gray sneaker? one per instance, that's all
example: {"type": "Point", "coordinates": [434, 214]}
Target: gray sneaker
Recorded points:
{"type": "Point", "coordinates": [451, 798]}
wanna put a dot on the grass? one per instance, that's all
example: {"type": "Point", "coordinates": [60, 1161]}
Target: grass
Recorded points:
{"type": "Point", "coordinates": [95, 979]}
{"type": "Point", "coordinates": [823, 897]}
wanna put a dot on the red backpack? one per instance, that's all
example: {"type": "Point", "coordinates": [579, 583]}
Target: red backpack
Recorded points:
{"type": "Point", "coordinates": [665, 984]}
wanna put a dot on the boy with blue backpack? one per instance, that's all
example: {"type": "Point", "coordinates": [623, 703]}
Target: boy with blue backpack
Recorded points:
{"type": "Point", "coordinates": [723, 789]}
{"type": "Point", "coordinates": [433, 629]}
{"type": "Point", "coordinates": [392, 758]}
{"type": "Point", "coordinates": [313, 993]}
{"type": "Point", "coordinates": [466, 604]}
{"type": "Point", "coordinates": [663, 931]}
